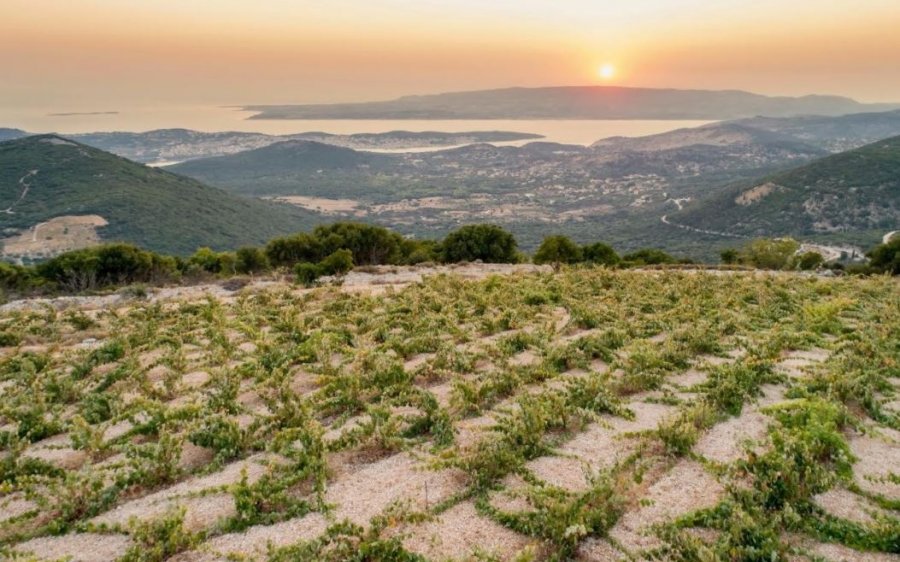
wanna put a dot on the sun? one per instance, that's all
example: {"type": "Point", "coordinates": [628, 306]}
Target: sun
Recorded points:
{"type": "Point", "coordinates": [606, 71]}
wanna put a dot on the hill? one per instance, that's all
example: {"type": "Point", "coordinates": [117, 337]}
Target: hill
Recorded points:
{"type": "Point", "coordinates": [845, 195]}
{"type": "Point", "coordinates": [286, 167]}
{"type": "Point", "coordinates": [575, 102]}
{"type": "Point", "coordinates": [88, 195]}
{"type": "Point", "coordinates": [167, 146]}
{"type": "Point", "coordinates": [835, 134]}
{"type": "Point", "coordinates": [11, 134]}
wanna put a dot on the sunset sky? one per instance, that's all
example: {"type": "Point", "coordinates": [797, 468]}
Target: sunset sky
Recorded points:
{"type": "Point", "coordinates": [100, 54]}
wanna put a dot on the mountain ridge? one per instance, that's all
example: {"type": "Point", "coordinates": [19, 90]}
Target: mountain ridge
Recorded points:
{"type": "Point", "coordinates": [575, 102]}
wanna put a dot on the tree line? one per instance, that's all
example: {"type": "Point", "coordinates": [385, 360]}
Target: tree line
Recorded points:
{"type": "Point", "coordinates": [337, 248]}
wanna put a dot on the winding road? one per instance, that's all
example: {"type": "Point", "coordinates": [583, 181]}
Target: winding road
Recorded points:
{"type": "Point", "coordinates": [25, 186]}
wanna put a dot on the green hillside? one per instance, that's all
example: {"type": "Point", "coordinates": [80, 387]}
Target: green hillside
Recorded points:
{"type": "Point", "coordinates": [853, 196]}
{"type": "Point", "coordinates": [43, 177]}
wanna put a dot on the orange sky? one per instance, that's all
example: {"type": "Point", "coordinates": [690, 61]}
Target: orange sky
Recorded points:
{"type": "Point", "coordinates": [101, 54]}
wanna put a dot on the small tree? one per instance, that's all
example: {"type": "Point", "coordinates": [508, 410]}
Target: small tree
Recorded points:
{"type": "Point", "coordinates": [251, 260]}
{"type": "Point", "coordinates": [649, 256]}
{"type": "Point", "coordinates": [886, 257]}
{"type": "Point", "coordinates": [338, 262]}
{"type": "Point", "coordinates": [600, 253]}
{"type": "Point", "coordinates": [769, 253]}
{"type": "Point", "coordinates": [729, 256]}
{"type": "Point", "coordinates": [485, 242]}
{"type": "Point", "coordinates": [808, 261]}
{"type": "Point", "coordinates": [558, 249]}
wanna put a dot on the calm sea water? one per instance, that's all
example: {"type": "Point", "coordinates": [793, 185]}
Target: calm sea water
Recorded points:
{"type": "Point", "coordinates": [207, 118]}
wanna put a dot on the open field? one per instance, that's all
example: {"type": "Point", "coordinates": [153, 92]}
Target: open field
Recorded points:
{"type": "Point", "coordinates": [586, 415]}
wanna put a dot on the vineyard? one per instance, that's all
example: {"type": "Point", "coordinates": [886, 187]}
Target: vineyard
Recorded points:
{"type": "Point", "coordinates": [586, 414]}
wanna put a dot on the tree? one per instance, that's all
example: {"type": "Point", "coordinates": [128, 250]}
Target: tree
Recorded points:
{"type": "Point", "coordinates": [289, 250]}
{"type": "Point", "coordinates": [337, 263]}
{"type": "Point", "coordinates": [886, 257]}
{"type": "Point", "coordinates": [485, 242]}
{"type": "Point", "coordinates": [370, 245]}
{"type": "Point", "coordinates": [729, 256]}
{"type": "Point", "coordinates": [558, 249]}
{"type": "Point", "coordinates": [251, 260]}
{"type": "Point", "coordinates": [600, 253]}
{"type": "Point", "coordinates": [649, 256]}
{"type": "Point", "coordinates": [769, 253]}
{"type": "Point", "coordinates": [808, 261]}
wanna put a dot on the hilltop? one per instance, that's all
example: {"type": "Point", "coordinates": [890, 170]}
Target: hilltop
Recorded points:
{"type": "Point", "coordinates": [85, 195]}
{"type": "Point", "coordinates": [857, 191]}
{"type": "Point", "coordinates": [575, 102]}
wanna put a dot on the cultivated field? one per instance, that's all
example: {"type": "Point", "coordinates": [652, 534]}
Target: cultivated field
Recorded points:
{"type": "Point", "coordinates": [588, 414]}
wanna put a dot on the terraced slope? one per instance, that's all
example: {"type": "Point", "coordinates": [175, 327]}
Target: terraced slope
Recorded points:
{"type": "Point", "coordinates": [587, 415]}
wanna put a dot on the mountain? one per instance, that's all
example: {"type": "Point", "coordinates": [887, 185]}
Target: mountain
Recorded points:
{"type": "Point", "coordinates": [284, 167]}
{"type": "Point", "coordinates": [853, 195]}
{"type": "Point", "coordinates": [729, 133]}
{"type": "Point", "coordinates": [56, 194]}
{"type": "Point", "coordinates": [11, 134]}
{"type": "Point", "coordinates": [167, 146]}
{"type": "Point", "coordinates": [835, 134]}
{"type": "Point", "coordinates": [575, 102]}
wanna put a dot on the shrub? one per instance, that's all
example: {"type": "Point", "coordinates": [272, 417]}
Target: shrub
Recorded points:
{"type": "Point", "coordinates": [649, 256]}
{"type": "Point", "coordinates": [808, 261]}
{"type": "Point", "coordinates": [886, 257]}
{"type": "Point", "coordinates": [729, 256]}
{"type": "Point", "coordinates": [558, 249]}
{"type": "Point", "coordinates": [370, 245]}
{"type": "Point", "coordinates": [290, 250]}
{"type": "Point", "coordinates": [306, 273]}
{"type": "Point", "coordinates": [338, 262]}
{"type": "Point", "coordinates": [105, 265]}
{"type": "Point", "coordinates": [600, 253]}
{"type": "Point", "coordinates": [769, 253]}
{"type": "Point", "coordinates": [251, 260]}
{"type": "Point", "coordinates": [485, 242]}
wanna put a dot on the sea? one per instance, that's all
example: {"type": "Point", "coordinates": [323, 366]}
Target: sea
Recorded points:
{"type": "Point", "coordinates": [219, 118]}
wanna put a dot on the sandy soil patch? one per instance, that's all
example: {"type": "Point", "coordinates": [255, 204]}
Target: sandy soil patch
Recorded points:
{"type": "Point", "coordinates": [460, 532]}
{"type": "Point", "coordinates": [321, 204]}
{"type": "Point", "coordinates": [836, 552]}
{"type": "Point", "coordinates": [686, 488]}
{"type": "Point", "coordinates": [78, 547]}
{"type": "Point", "coordinates": [253, 543]}
{"type": "Point", "coordinates": [755, 194]}
{"type": "Point", "coordinates": [200, 509]}
{"type": "Point", "coordinates": [725, 442]}
{"type": "Point", "coordinates": [396, 479]}
{"type": "Point", "coordinates": [847, 505]}
{"type": "Point", "coordinates": [599, 550]}
{"type": "Point", "coordinates": [877, 461]}
{"type": "Point", "coordinates": [55, 236]}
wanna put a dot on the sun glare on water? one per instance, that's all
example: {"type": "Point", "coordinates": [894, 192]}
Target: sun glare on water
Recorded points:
{"type": "Point", "coordinates": [606, 71]}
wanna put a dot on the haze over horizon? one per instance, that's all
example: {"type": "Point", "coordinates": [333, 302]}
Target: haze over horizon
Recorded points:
{"type": "Point", "coordinates": [102, 55]}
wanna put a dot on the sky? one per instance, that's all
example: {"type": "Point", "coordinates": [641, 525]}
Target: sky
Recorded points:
{"type": "Point", "coordinates": [99, 55]}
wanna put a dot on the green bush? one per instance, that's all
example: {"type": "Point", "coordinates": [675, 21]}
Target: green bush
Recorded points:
{"type": "Point", "coordinates": [769, 253]}
{"type": "Point", "coordinates": [808, 261]}
{"type": "Point", "coordinates": [369, 245]}
{"type": "Point", "coordinates": [886, 257]}
{"type": "Point", "coordinates": [485, 242]}
{"type": "Point", "coordinates": [338, 262]}
{"type": "Point", "coordinates": [290, 250]}
{"type": "Point", "coordinates": [649, 256]}
{"type": "Point", "coordinates": [109, 264]}
{"type": "Point", "coordinates": [600, 253]}
{"type": "Point", "coordinates": [251, 260]}
{"type": "Point", "coordinates": [306, 273]}
{"type": "Point", "coordinates": [558, 249]}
